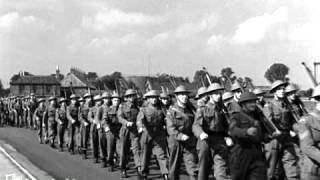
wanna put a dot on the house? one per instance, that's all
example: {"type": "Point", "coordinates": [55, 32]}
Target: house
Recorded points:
{"type": "Point", "coordinates": [40, 85]}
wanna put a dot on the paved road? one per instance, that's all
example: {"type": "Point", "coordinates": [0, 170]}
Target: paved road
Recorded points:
{"type": "Point", "coordinates": [61, 165]}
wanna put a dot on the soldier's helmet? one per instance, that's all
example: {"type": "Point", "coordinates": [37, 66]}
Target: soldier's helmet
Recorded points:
{"type": "Point", "coordinates": [258, 92]}
{"type": "Point", "coordinates": [32, 94]}
{"type": "Point", "coordinates": [87, 95]}
{"type": "Point", "coordinates": [164, 95]}
{"type": "Point", "coordinates": [97, 98]}
{"type": "Point", "coordinates": [130, 92]}
{"type": "Point", "coordinates": [201, 92]}
{"type": "Point", "coordinates": [235, 87]}
{"type": "Point", "coordinates": [52, 98]}
{"type": "Point", "coordinates": [115, 95]}
{"type": "Point", "coordinates": [106, 95]}
{"type": "Point", "coordinates": [247, 96]}
{"type": "Point", "coordinates": [214, 87]}
{"type": "Point", "coordinates": [81, 99]}
{"type": "Point", "coordinates": [227, 96]}
{"type": "Point", "coordinates": [151, 93]}
{"type": "Point", "coordinates": [316, 92]}
{"type": "Point", "coordinates": [291, 89]}
{"type": "Point", "coordinates": [61, 100]}
{"type": "Point", "coordinates": [73, 96]}
{"type": "Point", "coordinates": [41, 100]}
{"type": "Point", "coordinates": [277, 84]}
{"type": "Point", "coordinates": [181, 90]}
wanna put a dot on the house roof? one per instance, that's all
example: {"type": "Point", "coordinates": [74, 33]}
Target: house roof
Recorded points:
{"type": "Point", "coordinates": [25, 80]}
{"type": "Point", "coordinates": [76, 80]}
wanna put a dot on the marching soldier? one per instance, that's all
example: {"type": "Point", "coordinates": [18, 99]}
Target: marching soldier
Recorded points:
{"type": "Point", "coordinates": [106, 97]}
{"type": "Point", "coordinates": [234, 106]}
{"type": "Point", "coordinates": [182, 142]}
{"type": "Point", "coordinates": [247, 160]}
{"type": "Point", "coordinates": [281, 151]}
{"type": "Point", "coordinates": [211, 127]}
{"type": "Point", "coordinates": [165, 102]}
{"type": "Point", "coordinates": [93, 116]}
{"type": "Point", "coordinates": [38, 118]}
{"type": "Point", "coordinates": [50, 121]}
{"type": "Point", "coordinates": [32, 106]}
{"type": "Point", "coordinates": [309, 135]}
{"type": "Point", "coordinates": [201, 97]}
{"type": "Point", "coordinates": [25, 111]}
{"type": "Point", "coordinates": [62, 121]}
{"type": "Point", "coordinates": [151, 125]}
{"type": "Point", "coordinates": [295, 101]}
{"type": "Point", "coordinates": [85, 124]}
{"type": "Point", "coordinates": [127, 116]}
{"type": "Point", "coordinates": [111, 127]}
{"type": "Point", "coordinates": [74, 124]}
{"type": "Point", "coordinates": [260, 94]}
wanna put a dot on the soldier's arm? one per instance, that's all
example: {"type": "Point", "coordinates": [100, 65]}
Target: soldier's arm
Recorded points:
{"type": "Point", "coordinates": [69, 117]}
{"type": "Point", "coordinates": [197, 124]}
{"type": "Point", "coordinates": [307, 144]}
{"type": "Point", "coordinates": [234, 128]}
{"type": "Point", "coordinates": [121, 118]}
{"type": "Point", "coordinates": [140, 120]}
{"type": "Point", "coordinates": [57, 119]}
{"type": "Point", "coordinates": [171, 128]}
{"type": "Point", "coordinates": [104, 122]}
{"type": "Point", "coordinates": [90, 114]}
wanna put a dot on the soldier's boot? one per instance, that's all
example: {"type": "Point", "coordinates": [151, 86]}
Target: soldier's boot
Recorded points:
{"type": "Point", "coordinates": [111, 168]}
{"type": "Point", "coordinates": [61, 149]}
{"type": "Point", "coordinates": [84, 154]}
{"type": "Point", "coordinates": [165, 177]}
{"type": "Point", "coordinates": [96, 160]}
{"type": "Point", "coordinates": [104, 163]}
{"type": "Point", "coordinates": [40, 140]}
{"type": "Point", "coordinates": [124, 173]}
{"type": "Point", "coordinates": [141, 176]}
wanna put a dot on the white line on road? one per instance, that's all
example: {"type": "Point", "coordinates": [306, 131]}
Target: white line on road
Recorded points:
{"type": "Point", "coordinates": [26, 172]}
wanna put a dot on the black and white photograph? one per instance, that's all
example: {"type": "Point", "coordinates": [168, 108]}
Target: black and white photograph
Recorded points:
{"type": "Point", "coordinates": [159, 90]}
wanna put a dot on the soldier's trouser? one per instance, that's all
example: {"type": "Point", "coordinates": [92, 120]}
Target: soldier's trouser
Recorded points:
{"type": "Point", "coordinates": [179, 151]}
{"type": "Point", "coordinates": [129, 138]}
{"type": "Point", "coordinates": [158, 147]}
{"type": "Point", "coordinates": [310, 170]}
{"type": "Point", "coordinates": [61, 132]}
{"type": "Point", "coordinates": [103, 143]}
{"type": "Point", "coordinates": [112, 137]}
{"type": "Point", "coordinates": [247, 163]}
{"type": "Point", "coordinates": [95, 141]}
{"type": "Point", "coordinates": [1, 118]}
{"type": "Point", "coordinates": [40, 128]}
{"type": "Point", "coordinates": [31, 122]}
{"type": "Point", "coordinates": [213, 151]}
{"type": "Point", "coordinates": [85, 135]}
{"type": "Point", "coordinates": [52, 131]}
{"type": "Point", "coordinates": [74, 135]}
{"type": "Point", "coordinates": [25, 118]}
{"type": "Point", "coordinates": [282, 150]}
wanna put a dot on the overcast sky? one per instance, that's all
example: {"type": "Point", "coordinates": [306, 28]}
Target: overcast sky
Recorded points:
{"type": "Point", "coordinates": [179, 37]}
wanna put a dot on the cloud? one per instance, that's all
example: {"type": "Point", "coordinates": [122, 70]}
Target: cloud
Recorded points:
{"type": "Point", "coordinates": [254, 29]}
{"type": "Point", "coordinates": [106, 18]}
{"type": "Point", "coordinates": [158, 39]}
{"type": "Point", "coordinates": [8, 20]}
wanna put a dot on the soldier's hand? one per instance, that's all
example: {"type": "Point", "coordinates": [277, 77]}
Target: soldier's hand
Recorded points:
{"type": "Point", "coordinates": [252, 131]}
{"type": "Point", "coordinates": [129, 124]}
{"type": "Point", "coordinates": [228, 141]}
{"type": "Point", "coordinates": [60, 122]}
{"type": "Point", "coordinates": [85, 124]}
{"type": "Point", "coordinates": [184, 137]}
{"type": "Point", "coordinates": [73, 121]}
{"type": "Point", "coordinates": [275, 135]}
{"type": "Point", "coordinates": [106, 129]}
{"type": "Point", "coordinates": [98, 126]}
{"type": "Point", "coordinates": [203, 136]}
{"type": "Point", "coordinates": [292, 133]}
{"type": "Point", "coordinates": [140, 130]}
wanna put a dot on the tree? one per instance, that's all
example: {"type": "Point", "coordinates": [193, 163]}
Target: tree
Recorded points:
{"type": "Point", "coordinates": [276, 71]}
{"type": "Point", "coordinates": [200, 79]}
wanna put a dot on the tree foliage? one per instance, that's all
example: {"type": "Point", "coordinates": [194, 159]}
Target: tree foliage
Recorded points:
{"type": "Point", "coordinates": [276, 71]}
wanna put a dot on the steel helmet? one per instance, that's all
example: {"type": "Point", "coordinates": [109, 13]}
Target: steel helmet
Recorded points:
{"type": "Point", "coordinates": [151, 93]}
{"type": "Point", "coordinates": [227, 95]}
{"type": "Point", "coordinates": [164, 95]}
{"type": "Point", "coordinates": [97, 97]}
{"type": "Point", "coordinates": [291, 88]}
{"type": "Point", "coordinates": [235, 86]}
{"type": "Point", "coordinates": [214, 87]}
{"type": "Point", "coordinates": [61, 100]}
{"type": "Point", "coordinates": [258, 92]}
{"type": "Point", "coordinates": [73, 96]}
{"type": "Point", "coordinates": [52, 98]}
{"type": "Point", "coordinates": [130, 92]}
{"type": "Point", "coordinates": [115, 95]}
{"type": "Point", "coordinates": [277, 84]}
{"type": "Point", "coordinates": [87, 95]}
{"type": "Point", "coordinates": [41, 100]}
{"type": "Point", "coordinates": [106, 95]}
{"type": "Point", "coordinates": [181, 89]}
{"type": "Point", "coordinates": [247, 96]}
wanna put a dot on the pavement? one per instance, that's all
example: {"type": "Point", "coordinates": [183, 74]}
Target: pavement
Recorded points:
{"type": "Point", "coordinates": [45, 163]}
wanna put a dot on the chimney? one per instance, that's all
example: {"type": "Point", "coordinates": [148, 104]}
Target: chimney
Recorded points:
{"type": "Point", "coordinates": [57, 73]}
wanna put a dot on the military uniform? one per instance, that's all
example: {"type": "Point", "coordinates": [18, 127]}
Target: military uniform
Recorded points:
{"type": "Point", "coordinates": [233, 107]}
{"type": "Point", "coordinates": [61, 119]}
{"type": "Point", "coordinates": [50, 124]}
{"type": "Point", "coordinates": [281, 150]}
{"type": "Point", "coordinates": [103, 135]}
{"type": "Point", "coordinates": [111, 126]}
{"type": "Point", "coordinates": [74, 126]}
{"type": "Point", "coordinates": [153, 138]}
{"type": "Point", "coordinates": [179, 122]}
{"type": "Point", "coordinates": [309, 135]}
{"type": "Point", "coordinates": [84, 128]}
{"type": "Point", "coordinates": [38, 118]}
{"type": "Point", "coordinates": [93, 112]}
{"type": "Point", "coordinates": [213, 150]}
{"type": "Point", "coordinates": [32, 106]}
{"type": "Point", "coordinates": [128, 135]}
{"type": "Point", "coordinates": [247, 160]}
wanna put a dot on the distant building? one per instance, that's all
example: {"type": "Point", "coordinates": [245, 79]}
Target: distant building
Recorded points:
{"type": "Point", "coordinates": [40, 85]}
{"type": "Point", "coordinates": [78, 82]}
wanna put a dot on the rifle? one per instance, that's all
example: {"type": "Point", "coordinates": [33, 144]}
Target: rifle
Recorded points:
{"type": "Point", "coordinates": [313, 79]}
{"type": "Point", "coordinates": [268, 123]}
